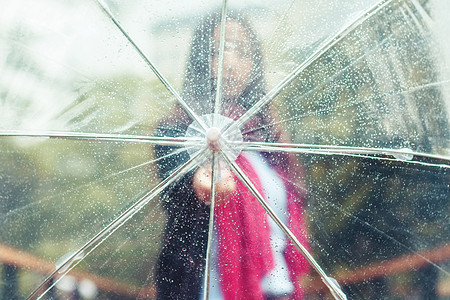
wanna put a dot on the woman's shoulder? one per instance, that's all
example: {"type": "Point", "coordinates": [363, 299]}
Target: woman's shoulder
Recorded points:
{"type": "Point", "coordinates": [173, 125]}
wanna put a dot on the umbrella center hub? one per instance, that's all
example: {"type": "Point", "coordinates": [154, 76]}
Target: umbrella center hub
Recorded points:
{"type": "Point", "coordinates": [218, 136]}
{"type": "Point", "coordinates": [213, 138]}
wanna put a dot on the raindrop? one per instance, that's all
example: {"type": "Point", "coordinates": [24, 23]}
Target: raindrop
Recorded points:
{"type": "Point", "coordinates": [63, 264]}
{"type": "Point", "coordinates": [403, 154]}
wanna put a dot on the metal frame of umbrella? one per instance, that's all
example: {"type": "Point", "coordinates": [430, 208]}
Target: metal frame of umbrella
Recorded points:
{"type": "Point", "coordinates": [214, 146]}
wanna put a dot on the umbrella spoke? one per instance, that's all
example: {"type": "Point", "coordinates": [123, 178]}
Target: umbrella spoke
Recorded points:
{"type": "Point", "coordinates": [102, 137]}
{"type": "Point", "coordinates": [70, 262]}
{"type": "Point", "coordinates": [218, 101]}
{"type": "Point", "coordinates": [348, 214]}
{"type": "Point", "coordinates": [211, 227]}
{"type": "Point", "coordinates": [344, 69]}
{"type": "Point", "coordinates": [384, 234]}
{"type": "Point", "coordinates": [328, 44]}
{"type": "Point", "coordinates": [17, 211]}
{"type": "Point", "coordinates": [158, 74]}
{"type": "Point", "coordinates": [360, 85]}
{"type": "Point", "coordinates": [176, 152]}
{"type": "Point", "coordinates": [334, 289]}
{"type": "Point", "coordinates": [354, 103]}
{"type": "Point", "coordinates": [354, 62]}
{"type": "Point", "coordinates": [404, 155]}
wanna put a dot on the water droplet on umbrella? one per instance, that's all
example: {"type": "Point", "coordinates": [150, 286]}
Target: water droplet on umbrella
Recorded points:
{"type": "Point", "coordinates": [404, 154]}
{"type": "Point", "coordinates": [65, 262]}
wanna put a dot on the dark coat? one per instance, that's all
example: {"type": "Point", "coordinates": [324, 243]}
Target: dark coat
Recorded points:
{"type": "Point", "coordinates": [181, 263]}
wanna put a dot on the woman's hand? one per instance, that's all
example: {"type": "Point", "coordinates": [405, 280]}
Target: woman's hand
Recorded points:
{"type": "Point", "coordinates": [225, 184]}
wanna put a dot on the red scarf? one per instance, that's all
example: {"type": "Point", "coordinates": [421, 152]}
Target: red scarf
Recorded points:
{"type": "Point", "coordinates": [245, 254]}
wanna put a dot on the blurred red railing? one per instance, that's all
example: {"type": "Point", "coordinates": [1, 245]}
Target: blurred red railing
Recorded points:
{"type": "Point", "coordinates": [27, 261]}
{"type": "Point", "coordinates": [391, 267]}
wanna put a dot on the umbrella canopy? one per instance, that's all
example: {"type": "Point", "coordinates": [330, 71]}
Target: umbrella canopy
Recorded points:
{"type": "Point", "coordinates": [203, 148]}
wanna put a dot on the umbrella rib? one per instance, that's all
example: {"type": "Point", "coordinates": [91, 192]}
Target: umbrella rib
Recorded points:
{"type": "Point", "coordinates": [375, 229]}
{"type": "Point", "coordinates": [218, 101]}
{"type": "Point", "coordinates": [104, 137]}
{"type": "Point", "coordinates": [326, 45]}
{"type": "Point", "coordinates": [334, 289]}
{"type": "Point", "coordinates": [158, 74]}
{"type": "Point", "coordinates": [342, 150]}
{"type": "Point", "coordinates": [108, 230]}
{"type": "Point", "coordinates": [210, 228]}
{"type": "Point", "coordinates": [354, 103]}
{"type": "Point", "coordinates": [176, 152]}
{"type": "Point", "coordinates": [382, 233]}
{"type": "Point", "coordinates": [341, 71]}
{"type": "Point", "coordinates": [18, 211]}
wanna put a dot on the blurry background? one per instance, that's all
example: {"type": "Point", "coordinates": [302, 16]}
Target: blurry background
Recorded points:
{"type": "Point", "coordinates": [375, 224]}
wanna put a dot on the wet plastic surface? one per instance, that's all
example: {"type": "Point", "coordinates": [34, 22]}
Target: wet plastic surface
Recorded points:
{"type": "Point", "coordinates": [104, 123]}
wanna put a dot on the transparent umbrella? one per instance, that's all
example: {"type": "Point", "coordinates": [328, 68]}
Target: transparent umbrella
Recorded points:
{"type": "Point", "coordinates": [202, 149]}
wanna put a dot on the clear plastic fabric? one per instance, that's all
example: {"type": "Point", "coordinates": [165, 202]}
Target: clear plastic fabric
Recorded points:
{"type": "Point", "coordinates": [132, 135]}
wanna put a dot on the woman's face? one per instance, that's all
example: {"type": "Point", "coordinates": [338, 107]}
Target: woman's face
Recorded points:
{"type": "Point", "coordinates": [238, 62]}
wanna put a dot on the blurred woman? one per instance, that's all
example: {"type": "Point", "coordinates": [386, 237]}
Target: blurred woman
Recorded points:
{"type": "Point", "coordinates": [251, 254]}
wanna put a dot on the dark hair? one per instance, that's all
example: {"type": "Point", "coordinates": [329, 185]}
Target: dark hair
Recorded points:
{"type": "Point", "coordinates": [199, 87]}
